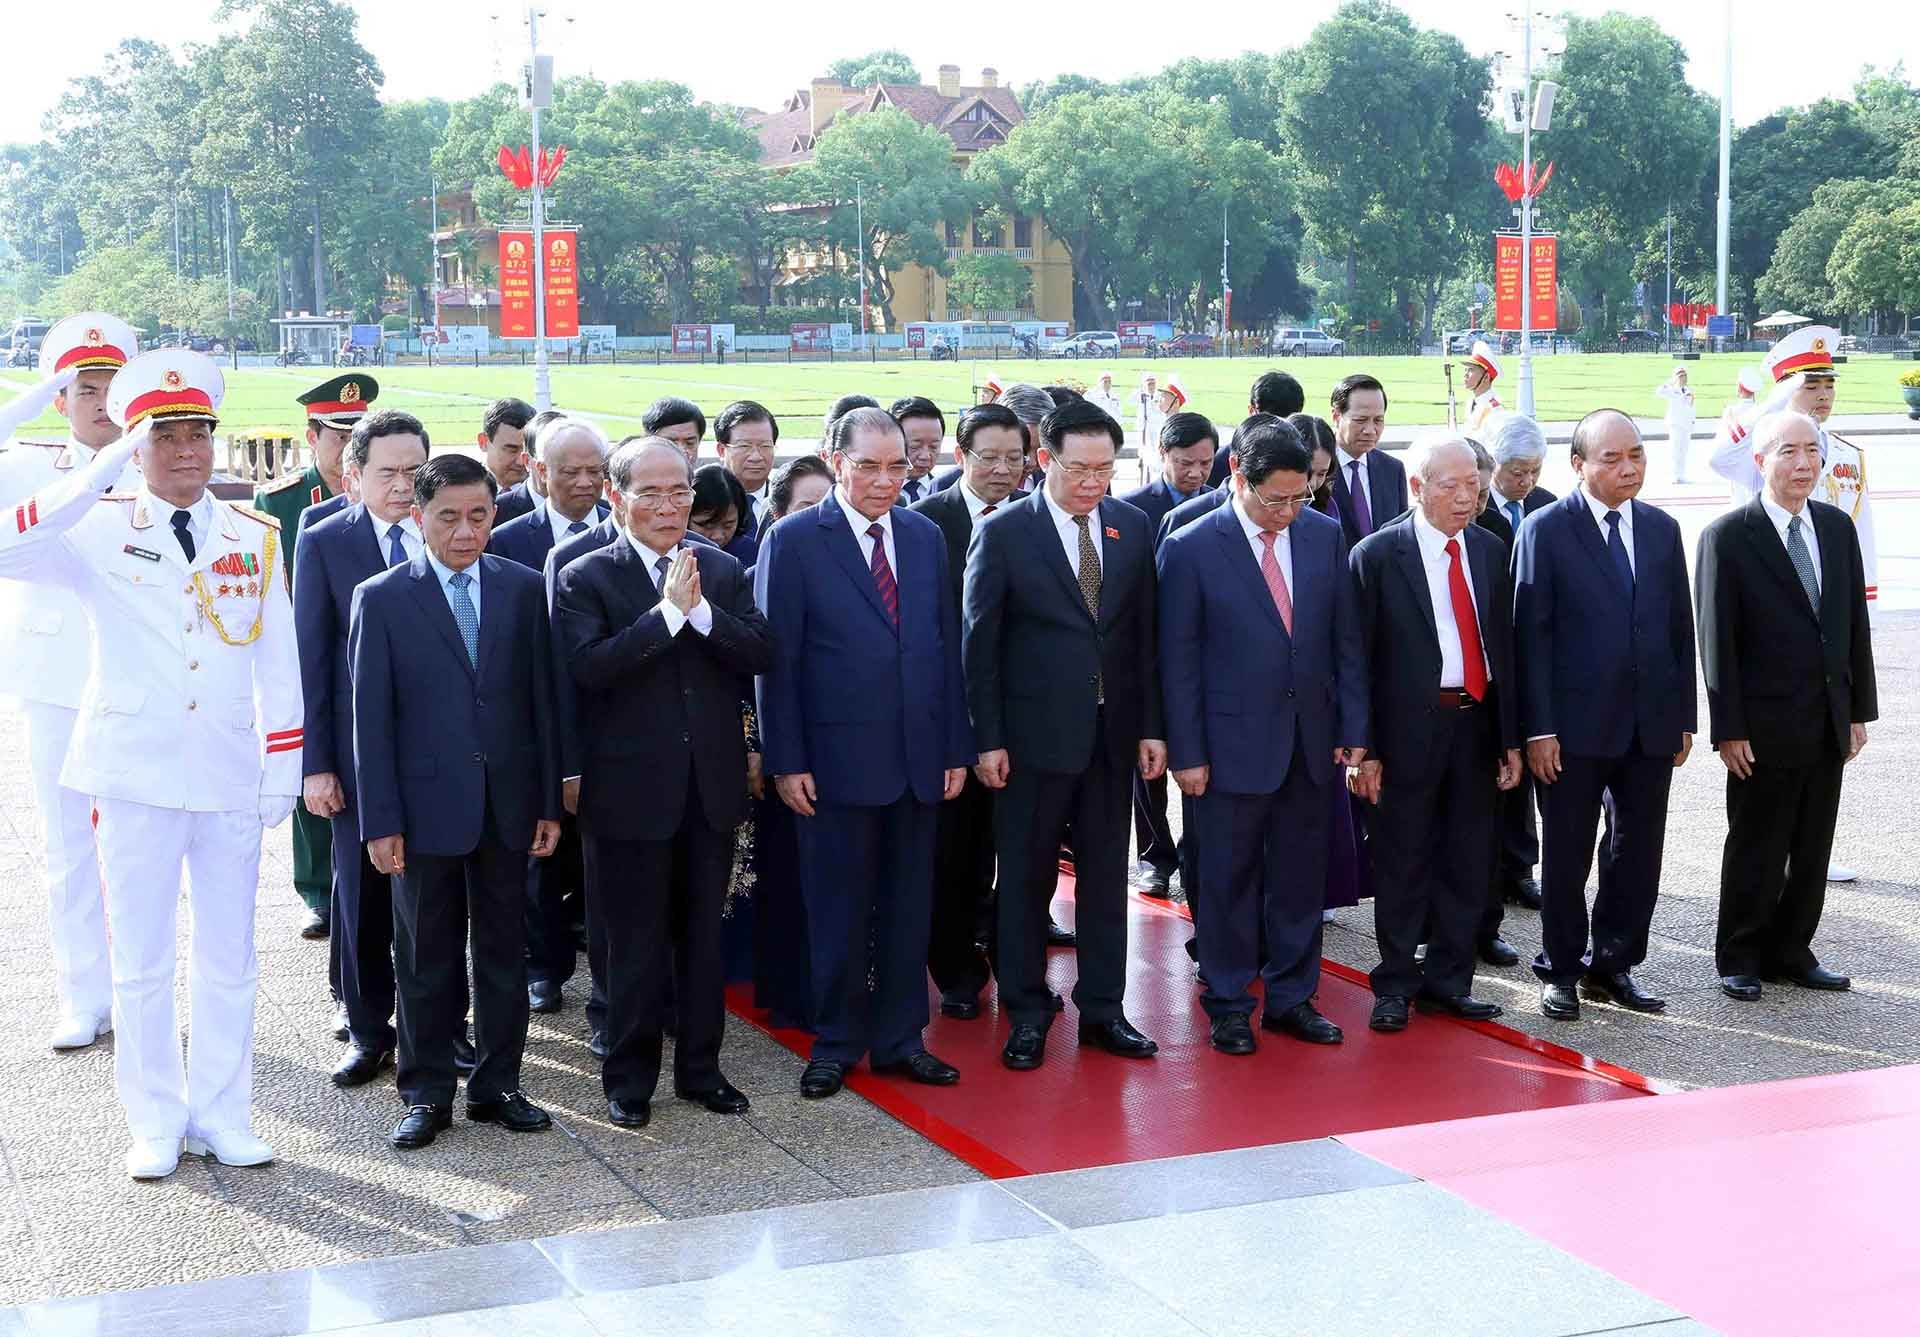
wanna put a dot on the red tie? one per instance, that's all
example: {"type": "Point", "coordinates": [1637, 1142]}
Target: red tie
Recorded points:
{"type": "Point", "coordinates": [883, 575]}
{"type": "Point", "coordinates": [1473, 662]}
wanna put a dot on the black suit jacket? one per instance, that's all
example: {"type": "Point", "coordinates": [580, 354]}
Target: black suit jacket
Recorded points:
{"type": "Point", "coordinates": [334, 557]}
{"type": "Point", "coordinates": [660, 714]}
{"type": "Point", "coordinates": [527, 539]}
{"type": "Point", "coordinates": [948, 509]}
{"type": "Point", "coordinates": [1033, 654]}
{"type": "Point", "coordinates": [1403, 645]}
{"type": "Point", "coordinates": [1155, 500]}
{"type": "Point", "coordinates": [1496, 524]}
{"type": "Point", "coordinates": [513, 503]}
{"type": "Point", "coordinates": [1386, 491]}
{"type": "Point", "coordinates": [1786, 679]}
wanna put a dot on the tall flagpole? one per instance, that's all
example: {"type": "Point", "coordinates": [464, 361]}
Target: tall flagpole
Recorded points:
{"type": "Point", "coordinates": [1526, 218]}
{"type": "Point", "coordinates": [542, 384]}
{"type": "Point", "coordinates": [1726, 159]}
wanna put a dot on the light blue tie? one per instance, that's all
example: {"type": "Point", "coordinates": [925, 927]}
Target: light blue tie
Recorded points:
{"type": "Point", "coordinates": [465, 615]}
{"type": "Point", "coordinates": [1513, 510]}
{"type": "Point", "coordinates": [396, 550]}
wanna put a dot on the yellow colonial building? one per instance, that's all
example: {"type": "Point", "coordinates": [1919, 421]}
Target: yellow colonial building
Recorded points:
{"type": "Point", "coordinates": [976, 118]}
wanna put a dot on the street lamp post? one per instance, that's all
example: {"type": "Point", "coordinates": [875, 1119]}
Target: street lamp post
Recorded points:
{"type": "Point", "coordinates": [537, 96]}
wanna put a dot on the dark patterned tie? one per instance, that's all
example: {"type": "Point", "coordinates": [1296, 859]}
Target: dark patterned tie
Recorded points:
{"type": "Point", "coordinates": [577, 527]}
{"type": "Point", "coordinates": [183, 530]}
{"type": "Point", "coordinates": [1357, 489]}
{"type": "Point", "coordinates": [883, 575]}
{"type": "Point", "coordinates": [1802, 560]}
{"type": "Point", "coordinates": [1089, 568]}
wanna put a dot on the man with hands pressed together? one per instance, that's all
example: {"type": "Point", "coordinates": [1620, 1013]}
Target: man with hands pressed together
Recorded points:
{"type": "Point", "coordinates": [1264, 678]}
{"type": "Point", "coordinates": [662, 640]}
{"type": "Point", "coordinates": [1790, 690]}
{"type": "Point", "coordinates": [863, 724]}
{"type": "Point", "coordinates": [1063, 684]}
{"type": "Point", "coordinates": [457, 763]}
{"type": "Point", "coordinates": [1434, 606]}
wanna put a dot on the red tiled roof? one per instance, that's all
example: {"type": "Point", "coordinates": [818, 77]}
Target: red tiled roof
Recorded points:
{"type": "Point", "coordinates": [786, 135]}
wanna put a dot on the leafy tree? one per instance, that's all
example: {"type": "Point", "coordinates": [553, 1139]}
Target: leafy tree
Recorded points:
{"type": "Point", "coordinates": [989, 283]}
{"type": "Point", "coordinates": [876, 67]}
{"type": "Point", "coordinates": [1797, 278]}
{"type": "Point", "coordinates": [1875, 265]}
{"type": "Point", "coordinates": [1035, 97]}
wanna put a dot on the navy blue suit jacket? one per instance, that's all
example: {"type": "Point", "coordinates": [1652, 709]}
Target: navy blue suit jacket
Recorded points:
{"type": "Point", "coordinates": [1386, 491]}
{"type": "Point", "coordinates": [527, 539]}
{"type": "Point", "coordinates": [1193, 508]}
{"type": "Point", "coordinates": [870, 711]}
{"type": "Point", "coordinates": [1599, 667]}
{"type": "Point", "coordinates": [513, 503]}
{"type": "Point", "coordinates": [1236, 684]}
{"type": "Point", "coordinates": [333, 558]}
{"type": "Point", "coordinates": [1157, 499]}
{"type": "Point", "coordinates": [313, 515]}
{"type": "Point", "coordinates": [438, 743]}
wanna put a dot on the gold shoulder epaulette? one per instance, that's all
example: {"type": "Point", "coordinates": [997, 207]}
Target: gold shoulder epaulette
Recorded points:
{"type": "Point", "coordinates": [120, 496]}
{"type": "Point", "coordinates": [44, 445]}
{"type": "Point", "coordinates": [241, 508]}
{"type": "Point", "coordinates": [281, 484]}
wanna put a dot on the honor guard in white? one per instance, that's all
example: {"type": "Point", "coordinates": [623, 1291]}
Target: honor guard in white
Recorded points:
{"type": "Point", "coordinates": [1102, 397]}
{"type": "Point", "coordinates": [44, 655]}
{"type": "Point", "coordinates": [1680, 415]}
{"type": "Point", "coordinates": [1478, 373]}
{"type": "Point", "coordinates": [188, 739]}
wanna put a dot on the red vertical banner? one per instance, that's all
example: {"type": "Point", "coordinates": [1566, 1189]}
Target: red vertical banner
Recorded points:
{"type": "Point", "coordinates": [563, 288]}
{"type": "Point", "coordinates": [1506, 281]}
{"type": "Point", "coordinates": [1545, 312]}
{"type": "Point", "coordinates": [516, 285]}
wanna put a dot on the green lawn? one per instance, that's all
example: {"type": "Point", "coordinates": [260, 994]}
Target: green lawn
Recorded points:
{"type": "Point", "coordinates": [450, 400]}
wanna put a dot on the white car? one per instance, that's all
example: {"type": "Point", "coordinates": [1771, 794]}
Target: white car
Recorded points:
{"type": "Point", "coordinates": [1307, 343]}
{"type": "Point", "coordinates": [1088, 343]}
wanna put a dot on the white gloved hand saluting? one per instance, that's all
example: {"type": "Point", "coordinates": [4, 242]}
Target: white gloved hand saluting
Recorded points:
{"type": "Point", "coordinates": [274, 809]}
{"type": "Point", "coordinates": [33, 401]}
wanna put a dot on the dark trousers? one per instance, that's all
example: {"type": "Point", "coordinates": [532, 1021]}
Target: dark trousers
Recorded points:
{"type": "Point", "coordinates": [596, 942]}
{"type": "Point", "coordinates": [435, 903]}
{"type": "Point", "coordinates": [1516, 849]}
{"type": "Point", "coordinates": [659, 904]}
{"type": "Point", "coordinates": [361, 950]}
{"type": "Point", "coordinates": [555, 886]}
{"type": "Point", "coordinates": [962, 892]}
{"type": "Point", "coordinates": [1432, 847]}
{"type": "Point", "coordinates": [1632, 790]}
{"type": "Point", "coordinates": [1189, 858]}
{"type": "Point", "coordinates": [1150, 829]}
{"type": "Point", "coordinates": [1773, 873]}
{"type": "Point", "coordinates": [1030, 816]}
{"type": "Point", "coordinates": [312, 858]}
{"type": "Point", "coordinates": [1264, 857]}
{"type": "Point", "coordinates": [867, 878]}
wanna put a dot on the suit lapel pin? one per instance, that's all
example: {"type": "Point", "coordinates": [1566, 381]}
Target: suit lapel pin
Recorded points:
{"type": "Point", "coordinates": [1112, 533]}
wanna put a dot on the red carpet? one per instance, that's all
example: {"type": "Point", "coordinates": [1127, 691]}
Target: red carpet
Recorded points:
{"type": "Point", "coordinates": [1782, 1207]}
{"type": "Point", "coordinates": [1084, 1109]}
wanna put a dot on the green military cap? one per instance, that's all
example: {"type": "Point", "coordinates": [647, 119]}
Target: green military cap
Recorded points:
{"type": "Point", "coordinates": [342, 401]}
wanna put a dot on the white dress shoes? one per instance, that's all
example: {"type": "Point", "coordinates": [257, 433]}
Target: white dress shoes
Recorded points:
{"type": "Point", "coordinates": [74, 1030]}
{"type": "Point", "coordinates": [153, 1157]}
{"type": "Point", "coordinates": [229, 1148]}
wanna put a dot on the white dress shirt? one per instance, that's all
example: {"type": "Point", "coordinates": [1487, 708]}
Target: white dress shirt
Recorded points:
{"type": "Point", "coordinates": [860, 524]}
{"type": "Point", "coordinates": [1434, 559]}
{"type": "Point", "coordinates": [700, 619]}
{"type": "Point", "coordinates": [1780, 516]}
{"type": "Point", "coordinates": [1345, 462]}
{"type": "Point", "coordinates": [444, 574]}
{"type": "Point", "coordinates": [409, 536]}
{"type": "Point", "coordinates": [976, 507]}
{"type": "Point", "coordinates": [1599, 510]}
{"type": "Point", "coordinates": [1069, 532]}
{"type": "Point", "coordinates": [560, 524]}
{"type": "Point", "coordinates": [1282, 545]}
{"type": "Point", "coordinates": [200, 523]}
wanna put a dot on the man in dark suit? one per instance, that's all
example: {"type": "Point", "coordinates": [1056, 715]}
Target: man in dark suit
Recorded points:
{"type": "Point", "coordinates": [662, 640]}
{"type": "Point", "coordinates": [1434, 602]}
{"type": "Point", "coordinates": [571, 467]}
{"type": "Point", "coordinates": [1369, 485]}
{"type": "Point", "coordinates": [925, 428]}
{"type": "Point", "coordinates": [679, 421]}
{"type": "Point", "coordinates": [503, 441]}
{"type": "Point", "coordinates": [746, 434]}
{"type": "Point", "coordinates": [992, 454]}
{"type": "Point", "coordinates": [1790, 691]}
{"type": "Point", "coordinates": [1604, 628]}
{"type": "Point", "coordinates": [1519, 450]}
{"type": "Point", "coordinates": [1061, 679]}
{"type": "Point", "coordinates": [1274, 393]}
{"type": "Point", "coordinates": [515, 501]}
{"type": "Point", "coordinates": [1264, 681]}
{"type": "Point", "coordinates": [332, 506]}
{"type": "Point", "coordinates": [1187, 445]}
{"type": "Point", "coordinates": [863, 725]}
{"type": "Point", "coordinates": [386, 450]}
{"type": "Point", "coordinates": [457, 769]}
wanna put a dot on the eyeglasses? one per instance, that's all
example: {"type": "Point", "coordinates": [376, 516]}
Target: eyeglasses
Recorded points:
{"type": "Point", "coordinates": [1009, 461]}
{"type": "Point", "coordinates": [1088, 472]}
{"type": "Point", "coordinates": [1292, 503]}
{"type": "Point", "coordinates": [867, 470]}
{"type": "Point", "coordinates": [653, 500]}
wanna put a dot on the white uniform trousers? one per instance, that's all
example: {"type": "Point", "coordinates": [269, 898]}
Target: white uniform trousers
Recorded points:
{"type": "Point", "coordinates": [76, 915]}
{"type": "Point", "coordinates": [1680, 437]}
{"type": "Point", "coordinates": [142, 849]}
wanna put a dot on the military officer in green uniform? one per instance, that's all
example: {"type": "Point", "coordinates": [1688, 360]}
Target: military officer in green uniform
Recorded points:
{"type": "Point", "coordinates": [332, 408]}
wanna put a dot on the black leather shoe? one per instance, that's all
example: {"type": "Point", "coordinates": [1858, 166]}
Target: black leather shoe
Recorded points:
{"type": "Point", "coordinates": [1059, 937]}
{"type": "Point", "coordinates": [361, 1066]}
{"type": "Point", "coordinates": [1621, 989]}
{"type": "Point", "coordinates": [1026, 1048]}
{"type": "Point", "coordinates": [630, 1113]}
{"type": "Point", "coordinates": [822, 1078]}
{"type": "Point", "coordinates": [1117, 1037]}
{"type": "Point", "coordinates": [317, 925]}
{"type": "Point", "coordinates": [1524, 892]}
{"type": "Point", "coordinates": [1560, 1001]}
{"type": "Point", "coordinates": [721, 1099]}
{"type": "Point", "coordinates": [1815, 977]}
{"type": "Point", "coordinates": [543, 996]}
{"type": "Point", "coordinates": [341, 1031]}
{"type": "Point", "coordinates": [513, 1112]}
{"type": "Point", "coordinates": [464, 1059]}
{"type": "Point", "coordinates": [1462, 1005]}
{"type": "Point", "coordinates": [1303, 1022]}
{"type": "Point", "coordinates": [1154, 882]}
{"type": "Point", "coordinates": [1389, 1014]}
{"type": "Point", "coordinates": [960, 1009]}
{"type": "Point", "coordinates": [1497, 951]}
{"type": "Point", "coordinates": [419, 1125]}
{"type": "Point", "coordinates": [923, 1068]}
{"type": "Point", "coordinates": [1741, 988]}
{"type": "Point", "coordinates": [1233, 1034]}
{"type": "Point", "coordinates": [597, 1045]}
